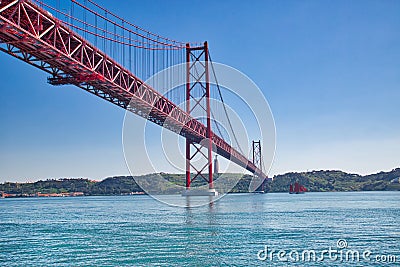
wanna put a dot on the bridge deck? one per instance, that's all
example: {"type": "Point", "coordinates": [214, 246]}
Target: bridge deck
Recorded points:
{"type": "Point", "coordinates": [33, 35]}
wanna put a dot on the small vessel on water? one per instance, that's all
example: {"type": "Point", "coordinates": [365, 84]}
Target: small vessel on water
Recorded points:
{"type": "Point", "coordinates": [297, 189]}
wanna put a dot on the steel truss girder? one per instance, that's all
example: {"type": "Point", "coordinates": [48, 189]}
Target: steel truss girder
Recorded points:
{"type": "Point", "coordinates": [34, 36]}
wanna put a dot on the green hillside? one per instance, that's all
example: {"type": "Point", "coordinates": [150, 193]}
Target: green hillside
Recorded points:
{"type": "Point", "coordinates": [323, 181]}
{"type": "Point", "coordinates": [314, 181]}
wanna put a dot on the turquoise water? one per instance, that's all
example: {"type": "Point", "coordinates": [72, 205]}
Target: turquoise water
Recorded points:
{"type": "Point", "coordinates": [139, 231]}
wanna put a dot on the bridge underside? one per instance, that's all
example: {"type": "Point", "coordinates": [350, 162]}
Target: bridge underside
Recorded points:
{"type": "Point", "coordinates": [33, 35]}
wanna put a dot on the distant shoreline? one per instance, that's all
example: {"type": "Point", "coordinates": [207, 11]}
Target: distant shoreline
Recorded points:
{"type": "Point", "coordinates": [314, 181]}
{"type": "Point", "coordinates": [144, 194]}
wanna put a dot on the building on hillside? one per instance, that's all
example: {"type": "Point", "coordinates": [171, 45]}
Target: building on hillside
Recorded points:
{"type": "Point", "coordinates": [395, 180]}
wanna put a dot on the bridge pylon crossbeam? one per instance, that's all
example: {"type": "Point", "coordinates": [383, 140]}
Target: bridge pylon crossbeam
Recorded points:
{"type": "Point", "coordinates": [198, 98]}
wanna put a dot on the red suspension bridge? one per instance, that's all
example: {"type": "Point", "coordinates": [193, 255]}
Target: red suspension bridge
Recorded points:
{"type": "Point", "coordinates": [83, 44]}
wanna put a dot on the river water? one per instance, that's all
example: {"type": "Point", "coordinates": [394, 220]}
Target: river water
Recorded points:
{"type": "Point", "coordinates": [237, 230]}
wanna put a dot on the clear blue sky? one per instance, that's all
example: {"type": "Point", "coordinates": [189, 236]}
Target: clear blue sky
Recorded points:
{"type": "Point", "coordinates": [329, 69]}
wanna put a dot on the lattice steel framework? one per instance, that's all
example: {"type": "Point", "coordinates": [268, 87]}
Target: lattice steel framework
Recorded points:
{"type": "Point", "coordinates": [198, 77]}
{"type": "Point", "coordinates": [257, 156]}
{"type": "Point", "coordinates": [257, 161]}
{"type": "Point", "coordinates": [31, 34]}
